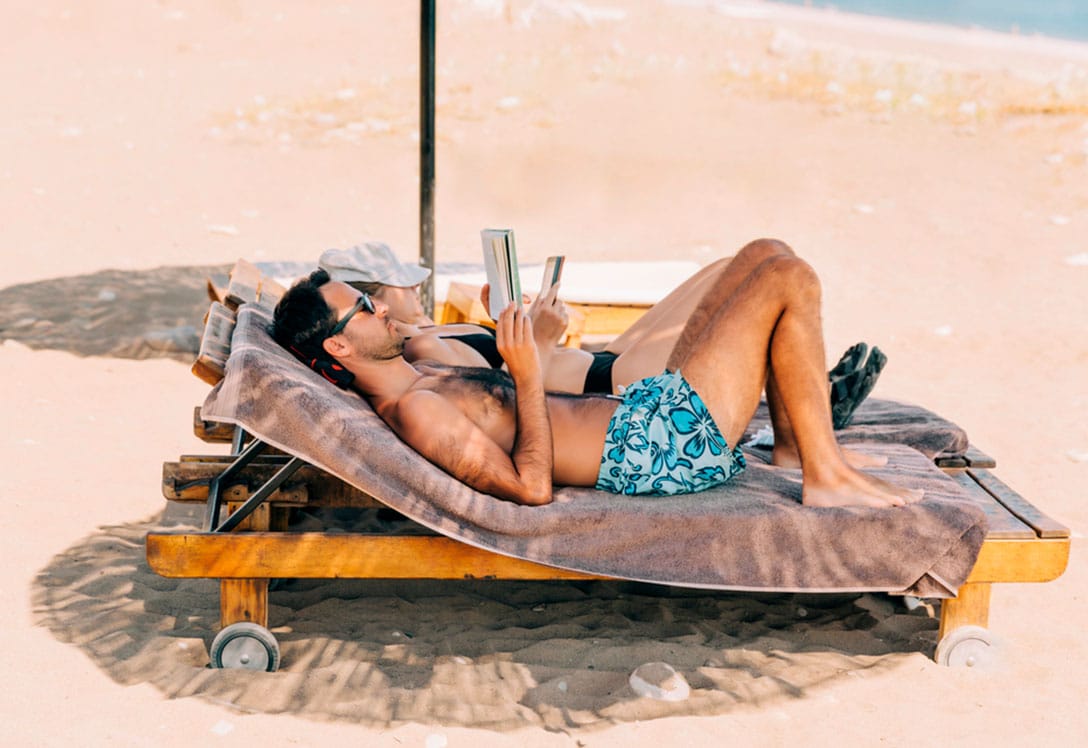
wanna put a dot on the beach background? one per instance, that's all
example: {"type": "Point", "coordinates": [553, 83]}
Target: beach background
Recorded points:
{"type": "Point", "coordinates": [934, 175]}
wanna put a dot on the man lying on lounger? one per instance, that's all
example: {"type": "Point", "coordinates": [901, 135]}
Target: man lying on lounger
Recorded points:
{"type": "Point", "coordinates": [641, 351]}
{"type": "Point", "coordinates": [757, 327]}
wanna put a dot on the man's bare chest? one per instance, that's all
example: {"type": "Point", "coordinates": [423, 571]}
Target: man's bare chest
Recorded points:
{"type": "Point", "coordinates": [485, 396]}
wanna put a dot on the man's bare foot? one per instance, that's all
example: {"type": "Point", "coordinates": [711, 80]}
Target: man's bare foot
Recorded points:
{"type": "Point", "coordinates": [854, 488]}
{"type": "Point", "coordinates": [862, 460]}
{"type": "Point", "coordinates": [788, 457]}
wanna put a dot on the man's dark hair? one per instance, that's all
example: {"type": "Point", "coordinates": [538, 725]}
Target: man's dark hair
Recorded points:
{"type": "Point", "coordinates": [303, 319]}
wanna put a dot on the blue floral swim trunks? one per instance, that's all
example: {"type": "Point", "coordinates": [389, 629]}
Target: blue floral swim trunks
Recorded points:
{"type": "Point", "coordinates": [663, 441]}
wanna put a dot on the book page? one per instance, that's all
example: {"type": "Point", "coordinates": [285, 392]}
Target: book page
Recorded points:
{"type": "Point", "coordinates": [501, 263]}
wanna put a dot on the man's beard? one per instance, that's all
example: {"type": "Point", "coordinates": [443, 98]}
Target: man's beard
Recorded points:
{"type": "Point", "coordinates": [389, 350]}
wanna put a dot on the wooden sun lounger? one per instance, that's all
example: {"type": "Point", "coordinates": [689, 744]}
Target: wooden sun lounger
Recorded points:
{"type": "Point", "coordinates": [1022, 544]}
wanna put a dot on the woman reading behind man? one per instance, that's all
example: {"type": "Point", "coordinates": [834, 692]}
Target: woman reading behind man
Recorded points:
{"type": "Point", "coordinates": [639, 352]}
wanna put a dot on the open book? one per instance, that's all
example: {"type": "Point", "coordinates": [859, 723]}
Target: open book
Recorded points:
{"type": "Point", "coordinates": [501, 263]}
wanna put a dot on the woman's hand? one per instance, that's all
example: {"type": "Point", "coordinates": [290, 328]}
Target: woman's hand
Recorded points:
{"type": "Point", "coordinates": [550, 319]}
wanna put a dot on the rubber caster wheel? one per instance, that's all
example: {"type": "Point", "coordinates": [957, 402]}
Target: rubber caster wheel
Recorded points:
{"type": "Point", "coordinates": [245, 645]}
{"type": "Point", "coordinates": [967, 646]}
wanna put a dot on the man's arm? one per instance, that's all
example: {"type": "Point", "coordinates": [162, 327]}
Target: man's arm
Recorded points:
{"type": "Point", "coordinates": [533, 439]}
{"type": "Point", "coordinates": [443, 434]}
{"type": "Point", "coordinates": [439, 431]}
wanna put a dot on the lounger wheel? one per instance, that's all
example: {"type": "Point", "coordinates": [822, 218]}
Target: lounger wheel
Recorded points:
{"type": "Point", "coordinates": [245, 645]}
{"type": "Point", "coordinates": [966, 646]}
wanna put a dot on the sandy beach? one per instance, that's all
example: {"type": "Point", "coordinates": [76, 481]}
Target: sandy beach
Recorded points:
{"type": "Point", "coordinates": [935, 178]}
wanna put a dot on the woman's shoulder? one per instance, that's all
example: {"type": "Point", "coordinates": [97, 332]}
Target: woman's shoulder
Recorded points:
{"type": "Point", "coordinates": [422, 346]}
{"type": "Point", "coordinates": [459, 329]}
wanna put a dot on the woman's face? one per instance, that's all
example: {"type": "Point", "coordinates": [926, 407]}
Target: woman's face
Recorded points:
{"type": "Point", "coordinates": [404, 303]}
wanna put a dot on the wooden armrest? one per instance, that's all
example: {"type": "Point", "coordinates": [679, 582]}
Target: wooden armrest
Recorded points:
{"type": "Point", "coordinates": [211, 359]}
{"type": "Point", "coordinates": [463, 305]}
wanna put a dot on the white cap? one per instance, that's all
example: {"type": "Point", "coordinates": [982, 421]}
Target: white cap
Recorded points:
{"type": "Point", "coordinates": [372, 262]}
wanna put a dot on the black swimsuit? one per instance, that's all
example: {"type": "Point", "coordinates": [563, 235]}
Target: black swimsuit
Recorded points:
{"type": "Point", "coordinates": [484, 344]}
{"type": "Point", "coordinates": [598, 376]}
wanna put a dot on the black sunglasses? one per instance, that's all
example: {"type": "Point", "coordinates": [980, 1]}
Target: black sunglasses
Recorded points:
{"type": "Point", "coordinates": [364, 302]}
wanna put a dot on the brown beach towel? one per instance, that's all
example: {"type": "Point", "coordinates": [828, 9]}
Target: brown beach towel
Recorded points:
{"type": "Point", "coordinates": [891, 422]}
{"type": "Point", "coordinates": [752, 534]}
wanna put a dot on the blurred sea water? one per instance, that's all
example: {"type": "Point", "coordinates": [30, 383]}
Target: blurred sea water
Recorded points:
{"type": "Point", "coordinates": [1063, 19]}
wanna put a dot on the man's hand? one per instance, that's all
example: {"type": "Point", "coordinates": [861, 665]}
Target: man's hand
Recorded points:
{"type": "Point", "coordinates": [517, 346]}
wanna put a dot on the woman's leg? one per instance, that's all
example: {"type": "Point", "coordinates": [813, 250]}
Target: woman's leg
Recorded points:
{"type": "Point", "coordinates": [645, 347]}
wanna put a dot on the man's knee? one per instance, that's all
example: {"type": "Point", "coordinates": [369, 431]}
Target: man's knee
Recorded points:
{"type": "Point", "coordinates": [764, 249]}
{"type": "Point", "coordinates": [793, 274]}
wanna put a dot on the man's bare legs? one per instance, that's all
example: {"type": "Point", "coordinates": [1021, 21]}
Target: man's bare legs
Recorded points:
{"type": "Point", "coordinates": [769, 324]}
{"type": "Point", "coordinates": [649, 341]}
{"type": "Point", "coordinates": [682, 316]}
{"type": "Point", "coordinates": [785, 452]}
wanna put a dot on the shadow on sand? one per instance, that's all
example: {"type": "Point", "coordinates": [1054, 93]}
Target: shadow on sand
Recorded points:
{"type": "Point", "coordinates": [126, 314]}
{"type": "Point", "coordinates": [498, 655]}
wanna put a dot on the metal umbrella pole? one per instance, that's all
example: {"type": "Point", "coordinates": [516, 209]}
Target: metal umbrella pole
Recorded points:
{"type": "Point", "coordinates": [426, 148]}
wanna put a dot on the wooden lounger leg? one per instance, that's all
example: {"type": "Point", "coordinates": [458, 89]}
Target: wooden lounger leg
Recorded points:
{"type": "Point", "coordinates": [962, 639]}
{"type": "Point", "coordinates": [971, 607]}
{"type": "Point", "coordinates": [245, 599]}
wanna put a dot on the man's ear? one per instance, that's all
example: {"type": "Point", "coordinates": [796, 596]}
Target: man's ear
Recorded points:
{"type": "Point", "coordinates": [335, 346]}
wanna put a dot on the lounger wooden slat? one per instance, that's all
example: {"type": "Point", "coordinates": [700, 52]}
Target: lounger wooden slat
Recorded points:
{"type": "Point", "coordinates": [1001, 523]}
{"type": "Point", "coordinates": [1015, 549]}
{"type": "Point", "coordinates": [188, 480]}
{"type": "Point", "coordinates": [224, 460]}
{"type": "Point", "coordinates": [1044, 526]}
{"type": "Point", "coordinates": [976, 458]}
{"type": "Point", "coordinates": [182, 488]}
